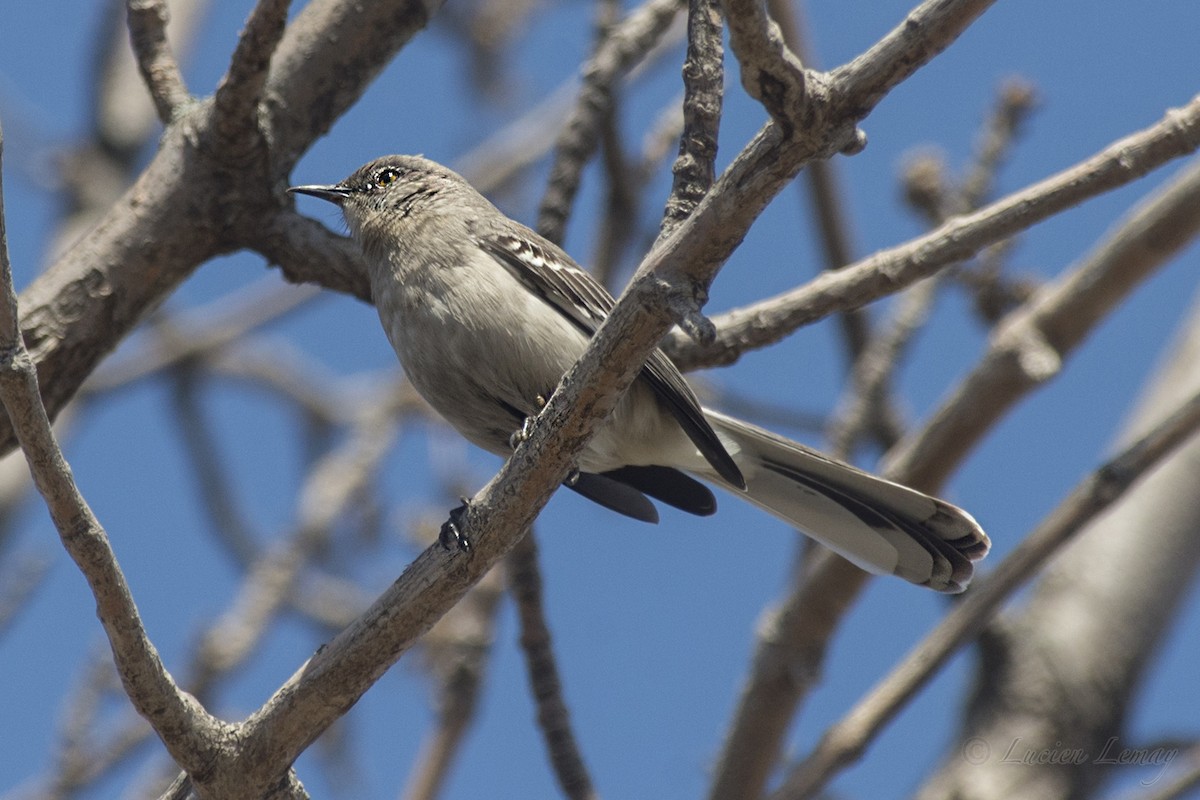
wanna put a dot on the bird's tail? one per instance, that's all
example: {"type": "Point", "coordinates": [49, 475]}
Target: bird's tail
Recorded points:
{"type": "Point", "coordinates": [881, 526]}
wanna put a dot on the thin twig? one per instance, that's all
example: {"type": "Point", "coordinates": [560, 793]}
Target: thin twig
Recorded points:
{"type": "Point", "coordinates": [767, 321]}
{"type": "Point", "coordinates": [156, 62]}
{"type": "Point", "coordinates": [241, 88]}
{"type": "Point", "coordinates": [628, 42]}
{"type": "Point", "coordinates": [703, 91]}
{"type": "Point", "coordinates": [525, 584]}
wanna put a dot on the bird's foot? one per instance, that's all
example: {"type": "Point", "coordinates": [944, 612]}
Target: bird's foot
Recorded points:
{"type": "Point", "coordinates": [522, 433]}
{"type": "Point", "coordinates": [451, 537]}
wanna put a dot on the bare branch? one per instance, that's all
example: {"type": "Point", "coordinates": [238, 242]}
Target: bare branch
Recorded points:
{"type": "Point", "coordinates": [889, 270]}
{"type": "Point", "coordinates": [771, 73]}
{"type": "Point", "coordinates": [525, 584]}
{"type": "Point", "coordinates": [844, 742]}
{"type": "Point", "coordinates": [704, 85]}
{"type": "Point", "coordinates": [188, 732]}
{"type": "Point", "coordinates": [928, 30]}
{"type": "Point", "coordinates": [160, 70]}
{"type": "Point", "coordinates": [832, 583]}
{"type": "Point", "coordinates": [624, 45]}
{"type": "Point", "coordinates": [241, 89]}
{"type": "Point", "coordinates": [1031, 344]}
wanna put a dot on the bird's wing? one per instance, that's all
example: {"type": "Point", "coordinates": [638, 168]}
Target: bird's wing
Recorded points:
{"type": "Point", "coordinates": [572, 291]}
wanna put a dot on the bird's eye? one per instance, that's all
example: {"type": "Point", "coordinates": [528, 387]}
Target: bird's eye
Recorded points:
{"type": "Point", "coordinates": [386, 177]}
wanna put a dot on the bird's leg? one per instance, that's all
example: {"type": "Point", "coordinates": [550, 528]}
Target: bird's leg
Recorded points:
{"type": "Point", "coordinates": [522, 433]}
{"type": "Point", "coordinates": [451, 536]}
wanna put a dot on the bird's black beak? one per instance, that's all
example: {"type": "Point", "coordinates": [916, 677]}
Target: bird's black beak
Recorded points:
{"type": "Point", "coordinates": [334, 193]}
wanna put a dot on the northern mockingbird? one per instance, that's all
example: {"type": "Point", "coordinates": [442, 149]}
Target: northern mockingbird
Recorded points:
{"type": "Point", "coordinates": [486, 317]}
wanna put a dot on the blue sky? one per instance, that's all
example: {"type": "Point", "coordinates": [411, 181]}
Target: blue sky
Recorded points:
{"type": "Point", "coordinates": [653, 647]}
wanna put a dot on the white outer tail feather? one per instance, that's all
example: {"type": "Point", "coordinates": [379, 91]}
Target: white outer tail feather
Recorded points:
{"type": "Point", "coordinates": [880, 526]}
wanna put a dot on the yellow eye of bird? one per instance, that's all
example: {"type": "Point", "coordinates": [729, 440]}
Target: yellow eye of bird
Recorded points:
{"type": "Point", "coordinates": [386, 177]}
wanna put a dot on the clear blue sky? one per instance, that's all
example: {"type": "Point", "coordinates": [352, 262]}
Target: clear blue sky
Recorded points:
{"type": "Point", "coordinates": [652, 647]}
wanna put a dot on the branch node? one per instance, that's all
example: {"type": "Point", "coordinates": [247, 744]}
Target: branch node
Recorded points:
{"type": "Point", "coordinates": [686, 307]}
{"type": "Point", "coordinates": [856, 144]}
{"type": "Point", "coordinates": [1038, 359]}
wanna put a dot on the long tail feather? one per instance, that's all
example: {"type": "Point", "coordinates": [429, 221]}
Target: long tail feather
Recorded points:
{"type": "Point", "coordinates": [881, 526]}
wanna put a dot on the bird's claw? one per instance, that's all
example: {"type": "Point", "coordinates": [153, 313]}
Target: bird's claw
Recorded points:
{"type": "Point", "coordinates": [521, 434]}
{"type": "Point", "coordinates": [451, 537]}
{"type": "Point", "coordinates": [526, 428]}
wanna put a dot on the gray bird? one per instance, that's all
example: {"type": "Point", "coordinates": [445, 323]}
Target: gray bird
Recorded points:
{"type": "Point", "coordinates": [486, 317]}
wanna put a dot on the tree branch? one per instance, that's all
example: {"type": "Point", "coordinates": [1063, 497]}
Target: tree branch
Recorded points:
{"type": "Point", "coordinates": [241, 89]}
{"type": "Point", "coordinates": [787, 663]}
{"type": "Point", "coordinates": [1030, 345]}
{"type": "Point", "coordinates": [525, 585]}
{"type": "Point", "coordinates": [626, 42]}
{"type": "Point", "coordinates": [885, 272]}
{"type": "Point", "coordinates": [188, 731]}
{"type": "Point", "coordinates": [704, 85]}
{"type": "Point", "coordinates": [847, 740]}
{"type": "Point", "coordinates": [156, 62]}
{"type": "Point", "coordinates": [771, 73]}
